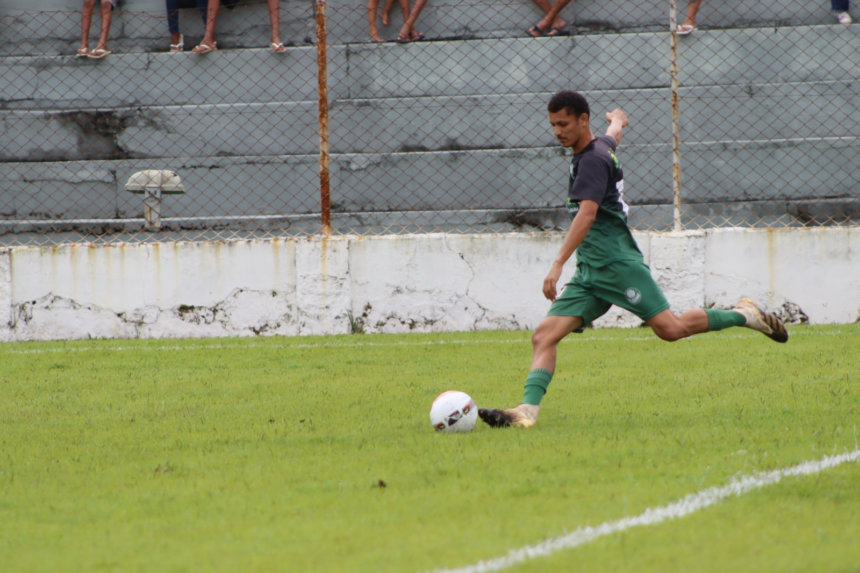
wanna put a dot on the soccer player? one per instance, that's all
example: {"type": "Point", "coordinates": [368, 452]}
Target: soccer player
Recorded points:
{"type": "Point", "coordinates": [609, 266]}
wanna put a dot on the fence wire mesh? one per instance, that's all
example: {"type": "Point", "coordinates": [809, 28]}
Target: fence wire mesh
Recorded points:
{"type": "Point", "coordinates": [443, 134]}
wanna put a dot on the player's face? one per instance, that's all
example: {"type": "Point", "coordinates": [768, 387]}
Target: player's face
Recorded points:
{"type": "Point", "coordinates": [568, 129]}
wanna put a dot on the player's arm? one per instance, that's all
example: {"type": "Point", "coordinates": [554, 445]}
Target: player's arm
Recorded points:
{"type": "Point", "coordinates": [617, 122]}
{"type": "Point", "coordinates": [575, 235]}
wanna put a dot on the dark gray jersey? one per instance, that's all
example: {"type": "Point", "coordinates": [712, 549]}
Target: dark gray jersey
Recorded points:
{"type": "Point", "coordinates": [596, 175]}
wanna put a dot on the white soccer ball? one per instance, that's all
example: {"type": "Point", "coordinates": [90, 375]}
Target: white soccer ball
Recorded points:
{"type": "Point", "coordinates": [453, 412]}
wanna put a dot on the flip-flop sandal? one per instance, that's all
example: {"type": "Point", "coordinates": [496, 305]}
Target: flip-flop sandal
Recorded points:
{"type": "Point", "coordinates": [278, 48]}
{"type": "Point", "coordinates": [401, 39]}
{"type": "Point", "coordinates": [417, 37]}
{"type": "Point", "coordinates": [202, 48]}
{"type": "Point", "coordinates": [535, 32]}
{"type": "Point", "coordinates": [685, 30]}
{"type": "Point", "coordinates": [82, 53]}
{"type": "Point", "coordinates": [98, 54]}
{"type": "Point", "coordinates": [555, 32]}
{"type": "Point", "coordinates": [180, 46]}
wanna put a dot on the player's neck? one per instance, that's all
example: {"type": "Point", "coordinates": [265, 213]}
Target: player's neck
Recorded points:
{"type": "Point", "coordinates": [582, 142]}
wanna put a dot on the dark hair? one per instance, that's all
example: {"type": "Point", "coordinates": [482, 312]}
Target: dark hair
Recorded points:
{"type": "Point", "coordinates": [573, 102]}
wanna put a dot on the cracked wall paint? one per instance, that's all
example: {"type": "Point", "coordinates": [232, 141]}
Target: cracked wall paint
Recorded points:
{"type": "Point", "coordinates": [323, 285]}
{"type": "Point", "coordinates": [440, 282]}
{"type": "Point", "coordinates": [123, 278]}
{"type": "Point", "coordinates": [423, 283]}
{"type": "Point", "coordinates": [5, 294]}
{"type": "Point", "coordinates": [243, 313]}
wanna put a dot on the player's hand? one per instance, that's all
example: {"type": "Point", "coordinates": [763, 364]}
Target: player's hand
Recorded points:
{"type": "Point", "coordinates": [619, 115]}
{"type": "Point", "coordinates": [550, 282]}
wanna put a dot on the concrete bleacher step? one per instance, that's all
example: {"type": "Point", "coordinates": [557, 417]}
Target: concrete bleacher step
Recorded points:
{"type": "Point", "coordinates": [770, 112]}
{"type": "Point", "coordinates": [485, 67]}
{"type": "Point", "coordinates": [51, 26]}
{"type": "Point", "coordinates": [159, 105]}
{"type": "Point", "coordinates": [408, 138]}
{"type": "Point", "coordinates": [357, 126]}
{"type": "Point", "coordinates": [151, 79]}
{"type": "Point", "coordinates": [508, 178]}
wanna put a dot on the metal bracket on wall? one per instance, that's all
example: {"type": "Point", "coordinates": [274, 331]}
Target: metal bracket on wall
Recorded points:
{"type": "Point", "coordinates": [153, 183]}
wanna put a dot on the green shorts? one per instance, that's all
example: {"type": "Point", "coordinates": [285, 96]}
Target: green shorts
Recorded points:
{"type": "Point", "coordinates": [592, 291]}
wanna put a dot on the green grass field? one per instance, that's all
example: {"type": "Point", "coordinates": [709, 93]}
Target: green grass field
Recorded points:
{"type": "Point", "coordinates": [267, 454]}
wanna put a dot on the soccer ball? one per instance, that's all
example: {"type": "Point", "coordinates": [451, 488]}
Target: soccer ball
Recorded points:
{"type": "Point", "coordinates": [453, 412]}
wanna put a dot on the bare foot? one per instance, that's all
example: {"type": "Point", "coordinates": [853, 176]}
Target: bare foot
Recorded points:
{"type": "Point", "coordinates": [385, 19]}
{"type": "Point", "coordinates": [558, 22]}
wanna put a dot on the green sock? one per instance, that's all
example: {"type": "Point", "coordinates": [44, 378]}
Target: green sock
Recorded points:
{"type": "Point", "coordinates": [536, 384]}
{"type": "Point", "coordinates": [720, 319]}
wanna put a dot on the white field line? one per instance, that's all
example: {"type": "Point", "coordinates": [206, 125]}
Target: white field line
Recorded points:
{"type": "Point", "coordinates": [689, 504]}
{"type": "Point", "coordinates": [574, 338]}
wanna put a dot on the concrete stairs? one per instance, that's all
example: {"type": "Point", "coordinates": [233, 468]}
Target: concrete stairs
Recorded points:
{"type": "Point", "coordinates": [448, 135]}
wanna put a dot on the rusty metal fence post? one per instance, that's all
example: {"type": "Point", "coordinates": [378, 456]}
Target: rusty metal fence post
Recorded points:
{"type": "Point", "coordinates": [676, 137]}
{"type": "Point", "coordinates": [322, 75]}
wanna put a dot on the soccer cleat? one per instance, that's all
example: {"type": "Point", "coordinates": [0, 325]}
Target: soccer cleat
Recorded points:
{"type": "Point", "coordinates": [766, 323]}
{"type": "Point", "coordinates": [505, 418]}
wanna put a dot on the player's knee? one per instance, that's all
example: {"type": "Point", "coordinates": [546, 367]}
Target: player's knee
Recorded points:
{"type": "Point", "coordinates": [538, 338]}
{"type": "Point", "coordinates": [542, 337]}
{"type": "Point", "coordinates": [669, 333]}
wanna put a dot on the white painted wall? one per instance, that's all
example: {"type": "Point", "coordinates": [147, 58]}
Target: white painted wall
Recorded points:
{"type": "Point", "coordinates": [397, 283]}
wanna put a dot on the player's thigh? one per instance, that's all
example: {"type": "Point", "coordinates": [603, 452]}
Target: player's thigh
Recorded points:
{"type": "Point", "coordinates": [629, 284]}
{"type": "Point", "coordinates": [579, 301]}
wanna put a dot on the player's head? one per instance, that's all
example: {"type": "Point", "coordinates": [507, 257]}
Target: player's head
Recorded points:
{"type": "Point", "coordinates": [569, 116]}
{"type": "Point", "coordinates": [574, 103]}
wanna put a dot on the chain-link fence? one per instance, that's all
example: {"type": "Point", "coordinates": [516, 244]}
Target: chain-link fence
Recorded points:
{"type": "Point", "coordinates": [441, 133]}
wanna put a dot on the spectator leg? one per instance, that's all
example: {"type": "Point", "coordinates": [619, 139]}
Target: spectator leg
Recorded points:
{"type": "Point", "coordinates": [211, 17]}
{"type": "Point", "coordinates": [86, 20]}
{"type": "Point", "coordinates": [389, 4]}
{"type": "Point", "coordinates": [692, 10]}
{"type": "Point", "coordinates": [404, 8]}
{"type": "Point", "coordinates": [106, 17]}
{"type": "Point", "coordinates": [275, 17]}
{"type": "Point", "coordinates": [173, 20]}
{"type": "Point", "coordinates": [544, 5]}
{"type": "Point", "coordinates": [372, 7]}
{"type": "Point", "coordinates": [552, 14]}
{"type": "Point", "coordinates": [408, 32]}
